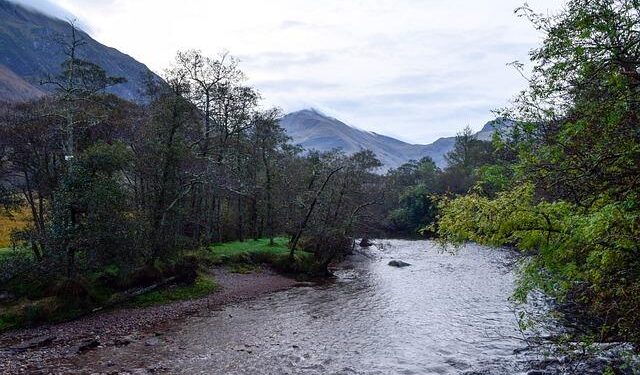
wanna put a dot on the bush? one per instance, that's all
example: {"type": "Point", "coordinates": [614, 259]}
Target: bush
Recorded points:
{"type": "Point", "coordinates": [587, 254]}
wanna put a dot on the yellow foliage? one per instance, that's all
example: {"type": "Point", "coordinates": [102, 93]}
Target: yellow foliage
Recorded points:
{"type": "Point", "coordinates": [8, 223]}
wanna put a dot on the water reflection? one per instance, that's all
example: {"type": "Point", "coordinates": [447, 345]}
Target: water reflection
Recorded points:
{"type": "Point", "coordinates": [445, 314]}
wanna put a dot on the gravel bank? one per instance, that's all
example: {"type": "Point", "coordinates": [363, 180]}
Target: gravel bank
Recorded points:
{"type": "Point", "coordinates": [51, 349]}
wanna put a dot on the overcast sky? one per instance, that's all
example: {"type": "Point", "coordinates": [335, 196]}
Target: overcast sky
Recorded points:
{"type": "Point", "coordinates": [412, 69]}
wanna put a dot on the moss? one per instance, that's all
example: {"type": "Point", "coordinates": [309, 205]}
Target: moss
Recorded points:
{"type": "Point", "coordinates": [29, 312]}
{"type": "Point", "coordinates": [31, 286]}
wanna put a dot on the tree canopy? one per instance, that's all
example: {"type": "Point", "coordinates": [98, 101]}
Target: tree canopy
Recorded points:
{"type": "Point", "coordinates": [572, 198]}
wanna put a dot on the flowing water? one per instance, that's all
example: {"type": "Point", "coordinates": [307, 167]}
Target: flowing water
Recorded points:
{"type": "Point", "coordinates": [444, 314]}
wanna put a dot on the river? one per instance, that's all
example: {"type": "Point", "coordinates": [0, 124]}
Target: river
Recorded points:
{"type": "Point", "coordinates": [444, 314]}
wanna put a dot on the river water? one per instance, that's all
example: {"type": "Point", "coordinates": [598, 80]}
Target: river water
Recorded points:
{"type": "Point", "coordinates": [444, 314]}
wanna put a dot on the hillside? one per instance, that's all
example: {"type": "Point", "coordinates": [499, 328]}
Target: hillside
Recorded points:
{"type": "Point", "coordinates": [315, 131]}
{"type": "Point", "coordinates": [14, 88]}
{"type": "Point", "coordinates": [31, 50]}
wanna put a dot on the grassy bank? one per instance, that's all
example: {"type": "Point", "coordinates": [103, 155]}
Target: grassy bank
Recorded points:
{"type": "Point", "coordinates": [246, 256]}
{"type": "Point", "coordinates": [37, 300]}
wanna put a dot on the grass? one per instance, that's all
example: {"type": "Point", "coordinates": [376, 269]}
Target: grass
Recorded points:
{"type": "Point", "coordinates": [8, 252]}
{"type": "Point", "coordinates": [10, 319]}
{"type": "Point", "coordinates": [203, 286]}
{"type": "Point", "coordinates": [4, 252]}
{"type": "Point", "coordinates": [239, 256]}
{"type": "Point", "coordinates": [29, 313]}
{"type": "Point", "coordinates": [52, 309]}
{"type": "Point", "coordinates": [246, 256]}
{"type": "Point", "coordinates": [236, 251]}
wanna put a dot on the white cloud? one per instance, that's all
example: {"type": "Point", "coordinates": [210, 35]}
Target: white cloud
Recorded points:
{"type": "Point", "coordinates": [415, 69]}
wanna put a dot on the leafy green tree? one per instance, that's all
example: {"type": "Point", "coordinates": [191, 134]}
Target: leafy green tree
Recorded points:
{"type": "Point", "coordinates": [409, 191]}
{"type": "Point", "coordinates": [570, 200]}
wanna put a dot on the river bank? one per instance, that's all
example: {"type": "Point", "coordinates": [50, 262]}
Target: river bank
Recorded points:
{"type": "Point", "coordinates": [444, 314]}
{"type": "Point", "coordinates": [52, 348]}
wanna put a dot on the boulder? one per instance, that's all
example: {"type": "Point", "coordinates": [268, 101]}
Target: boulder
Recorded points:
{"type": "Point", "coordinates": [364, 242]}
{"type": "Point", "coordinates": [398, 263]}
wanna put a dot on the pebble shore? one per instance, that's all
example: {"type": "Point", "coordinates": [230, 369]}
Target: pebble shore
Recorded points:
{"type": "Point", "coordinates": [52, 349]}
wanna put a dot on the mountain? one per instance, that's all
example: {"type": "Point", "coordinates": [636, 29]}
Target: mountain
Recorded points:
{"type": "Point", "coordinates": [315, 131]}
{"type": "Point", "coordinates": [14, 88]}
{"type": "Point", "coordinates": [31, 50]}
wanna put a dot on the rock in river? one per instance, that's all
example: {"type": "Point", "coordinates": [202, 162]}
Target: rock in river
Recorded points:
{"type": "Point", "coordinates": [398, 263]}
{"type": "Point", "coordinates": [364, 242]}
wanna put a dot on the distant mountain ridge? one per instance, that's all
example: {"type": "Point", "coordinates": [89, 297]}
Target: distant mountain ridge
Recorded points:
{"type": "Point", "coordinates": [315, 131]}
{"type": "Point", "coordinates": [30, 51]}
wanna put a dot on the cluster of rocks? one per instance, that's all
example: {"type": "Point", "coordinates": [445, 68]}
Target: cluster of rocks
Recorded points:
{"type": "Point", "coordinates": [593, 359]}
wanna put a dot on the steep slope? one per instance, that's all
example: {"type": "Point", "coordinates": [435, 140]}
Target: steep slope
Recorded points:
{"type": "Point", "coordinates": [31, 49]}
{"type": "Point", "coordinates": [316, 131]}
{"type": "Point", "coordinates": [14, 88]}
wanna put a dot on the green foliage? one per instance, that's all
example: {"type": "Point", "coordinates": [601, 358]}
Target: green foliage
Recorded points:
{"type": "Point", "coordinates": [564, 187]}
{"type": "Point", "coordinates": [10, 321]}
{"type": "Point", "coordinates": [592, 252]}
{"type": "Point", "coordinates": [30, 313]}
{"type": "Point", "coordinates": [410, 203]}
{"type": "Point", "coordinates": [416, 209]}
{"type": "Point", "coordinates": [89, 217]}
{"type": "Point", "coordinates": [493, 178]}
{"type": "Point", "coordinates": [7, 253]}
{"type": "Point", "coordinates": [468, 155]}
{"type": "Point", "coordinates": [415, 185]}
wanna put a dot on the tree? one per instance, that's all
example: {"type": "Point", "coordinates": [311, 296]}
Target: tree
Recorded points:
{"type": "Point", "coordinates": [207, 81]}
{"type": "Point", "coordinates": [89, 210]}
{"type": "Point", "coordinates": [409, 203]}
{"type": "Point", "coordinates": [269, 139]}
{"type": "Point", "coordinates": [468, 154]}
{"type": "Point", "coordinates": [572, 201]}
{"type": "Point", "coordinates": [580, 113]}
{"type": "Point", "coordinates": [79, 81]}
{"type": "Point", "coordinates": [166, 168]}
{"type": "Point", "coordinates": [340, 191]}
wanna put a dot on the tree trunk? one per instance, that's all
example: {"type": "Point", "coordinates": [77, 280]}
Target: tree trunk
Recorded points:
{"type": "Point", "coordinates": [303, 225]}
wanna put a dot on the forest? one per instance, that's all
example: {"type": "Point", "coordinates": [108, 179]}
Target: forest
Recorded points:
{"type": "Point", "coordinates": [121, 195]}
